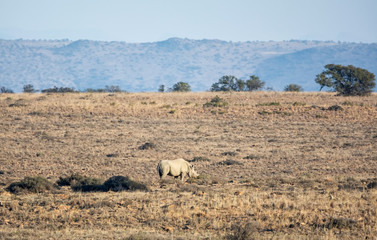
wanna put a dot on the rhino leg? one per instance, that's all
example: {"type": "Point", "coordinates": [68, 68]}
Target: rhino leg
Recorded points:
{"type": "Point", "coordinates": [183, 176]}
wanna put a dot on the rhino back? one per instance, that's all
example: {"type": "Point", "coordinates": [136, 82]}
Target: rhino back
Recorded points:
{"type": "Point", "coordinates": [178, 166]}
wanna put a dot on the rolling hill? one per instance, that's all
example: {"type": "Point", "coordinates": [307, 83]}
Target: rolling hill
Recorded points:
{"type": "Point", "coordinates": [138, 67]}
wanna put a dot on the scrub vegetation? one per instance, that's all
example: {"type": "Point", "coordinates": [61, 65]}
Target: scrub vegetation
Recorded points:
{"type": "Point", "coordinates": [272, 165]}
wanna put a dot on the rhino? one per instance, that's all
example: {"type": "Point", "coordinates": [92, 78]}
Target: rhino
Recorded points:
{"type": "Point", "coordinates": [176, 168]}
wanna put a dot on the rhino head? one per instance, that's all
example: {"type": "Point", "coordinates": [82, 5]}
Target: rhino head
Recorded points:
{"type": "Point", "coordinates": [192, 172]}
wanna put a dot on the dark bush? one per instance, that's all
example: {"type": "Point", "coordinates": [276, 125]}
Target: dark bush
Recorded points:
{"type": "Point", "coordinates": [229, 154]}
{"type": "Point", "coordinates": [200, 159]}
{"type": "Point", "coordinates": [147, 146]}
{"type": "Point", "coordinates": [6, 90]}
{"type": "Point", "coordinates": [372, 184]}
{"type": "Point", "coordinates": [229, 162]}
{"type": "Point", "coordinates": [81, 183]}
{"type": "Point", "coordinates": [120, 183]}
{"type": "Point", "coordinates": [243, 231]}
{"type": "Point", "coordinates": [293, 88]}
{"type": "Point", "coordinates": [341, 223]}
{"type": "Point", "coordinates": [58, 90]}
{"type": "Point", "coordinates": [216, 102]}
{"type": "Point", "coordinates": [31, 185]}
{"type": "Point", "coordinates": [335, 108]}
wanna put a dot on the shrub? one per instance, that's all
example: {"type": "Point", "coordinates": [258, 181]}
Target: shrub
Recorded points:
{"type": "Point", "coordinates": [268, 104]}
{"type": "Point", "coordinates": [81, 183]}
{"type": "Point", "coordinates": [372, 184]}
{"type": "Point", "coordinates": [229, 162]}
{"type": "Point", "coordinates": [31, 185]}
{"type": "Point", "coordinates": [229, 154]}
{"type": "Point", "coordinates": [6, 90]}
{"type": "Point", "coordinates": [200, 159]}
{"type": "Point", "coordinates": [341, 223]}
{"type": "Point", "coordinates": [335, 108]}
{"type": "Point", "coordinates": [147, 146]}
{"type": "Point", "coordinates": [58, 90]}
{"type": "Point", "coordinates": [243, 231]}
{"type": "Point", "coordinates": [293, 88]}
{"type": "Point", "coordinates": [216, 102]}
{"type": "Point", "coordinates": [120, 183]}
{"type": "Point", "coordinates": [181, 87]}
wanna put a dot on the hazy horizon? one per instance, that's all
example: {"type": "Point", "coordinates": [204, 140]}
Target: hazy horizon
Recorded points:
{"type": "Point", "coordinates": [153, 21]}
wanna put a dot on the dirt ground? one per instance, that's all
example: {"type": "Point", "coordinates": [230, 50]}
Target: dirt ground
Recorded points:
{"type": "Point", "coordinates": [272, 165]}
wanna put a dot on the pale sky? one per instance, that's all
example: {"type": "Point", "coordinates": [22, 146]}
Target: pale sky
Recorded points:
{"type": "Point", "coordinates": [157, 20]}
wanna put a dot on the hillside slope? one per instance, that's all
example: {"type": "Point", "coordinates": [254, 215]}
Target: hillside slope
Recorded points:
{"type": "Point", "coordinates": [144, 66]}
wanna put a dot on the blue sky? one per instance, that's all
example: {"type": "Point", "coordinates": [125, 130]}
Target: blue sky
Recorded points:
{"type": "Point", "coordinates": [156, 20]}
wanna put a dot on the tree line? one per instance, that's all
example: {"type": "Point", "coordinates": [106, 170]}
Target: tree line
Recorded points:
{"type": "Point", "coordinates": [346, 80]}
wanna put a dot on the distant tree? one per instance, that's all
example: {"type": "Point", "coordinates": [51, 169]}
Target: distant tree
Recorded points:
{"type": "Point", "coordinates": [293, 88]}
{"type": "Point", "coordinates": [6, 90]}
{"type": "Point", "coordinates": [226, 83]}
{"type": "Point", "coordinates": [92, 90]}
{"type": "Point", "coordinates": [254, 83]}
{"type": "Point", "coordinates": [181, 87]}
{"type": "Point", "coordinates": [240, 85]}
{"type": "Point", "coordinates": [58, 90]}
{"type": "Point", "coordinates": [29, 88]}
{"type": "Point", "coordinates": [347, 80]}
{"type": "Point", "coordinates": [112, 89]}
{"type": "Point", "coordinates": [161, 88]}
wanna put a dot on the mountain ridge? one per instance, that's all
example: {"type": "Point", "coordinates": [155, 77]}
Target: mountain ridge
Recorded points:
{"type": "Point", "coordinates": [138, 67]}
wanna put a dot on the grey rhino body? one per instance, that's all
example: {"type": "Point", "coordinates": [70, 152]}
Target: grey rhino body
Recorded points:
{"type": "Point", "coordinates": [176, 168]}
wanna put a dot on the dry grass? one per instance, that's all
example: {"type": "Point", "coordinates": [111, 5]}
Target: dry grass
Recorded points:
{"type": "Point", "coordinates": [306, 165]}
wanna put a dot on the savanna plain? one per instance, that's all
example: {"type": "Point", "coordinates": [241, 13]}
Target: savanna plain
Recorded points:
{"type": "Point", "coordinates": [272, 165]}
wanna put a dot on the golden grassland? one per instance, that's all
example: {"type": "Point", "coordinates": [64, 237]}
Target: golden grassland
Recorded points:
{"type": "Point", "coordinates": [272, 165]}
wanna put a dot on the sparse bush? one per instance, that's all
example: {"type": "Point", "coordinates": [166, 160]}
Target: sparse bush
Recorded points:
{"type": "Point", "coordinates": [243, 231]}
{"type": "Point", "coordinates": [205, 179]}
{"type": "Point", "coordinates": [372, 184]}
{"type": "Point", "coordinates": [341, 223]}
{"type": "Point", "coordinates": [298, 104]}
{"type": "Point", "coordinates": [59, 90]}
{"type": "Point", "coordinates": [147, 146]}
{"type": "Point", "coordinates": [81, 183]}
{"type": "Point", "coordinates": [229, 154]}
{"type": "Point", "coordinates": [251, 156]}
{"type": "Point", "coordinates": [31, 185]}
{"type": "Point", "coordinates": [229, 162]}
{"type": "Point", "coordinates": [6, 90]}
{"type": "Point", "coordinates": [293, 88]}
{"type": "Point", "coordinates": [335, 108]}
{"type": "Point", "coordinates": [112, 89]}
{"type": "Point", "coordinates": [268, 104]}
{"type": "Point", "coordinates": [216, 102]}
{"type": "Point", "coordinates": [29, 88]}
{"type": "Point", "coordinates": [200, 159]}
{"type": "Point", "coordinates": [120, 183]}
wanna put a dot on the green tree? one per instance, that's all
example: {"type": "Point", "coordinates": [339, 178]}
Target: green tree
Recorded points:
{"type": "Point", "coordinates": [29, 88]}
{"type": "Point", "coordinates": [161, 88]}
{"type": "Point", "coordinates": [181, 87]}
{"type": "Point", "coordinates": [240, 85]}
{"type": "Point", "coordinates": [227, 83]}
{"type": "Point", "coordinates": [293, 88]}
{"type": "Point", "coordinates": [254, 83]}
{"type": "Point", "coordinates": [347, 80]}
{"type": "Point", "coordinates": [6, 90]}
